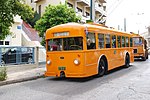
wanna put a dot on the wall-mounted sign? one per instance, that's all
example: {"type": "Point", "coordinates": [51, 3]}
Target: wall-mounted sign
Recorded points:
{"type": "Point", "coordinates": [18, 27]}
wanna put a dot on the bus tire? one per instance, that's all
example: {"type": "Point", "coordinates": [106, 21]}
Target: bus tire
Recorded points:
{"type": "Point", "coordinates": [147, 57]}
{"type": "Point", "coordinates": [127, 61]}
{"type": "Point", "coordinates": [102, 68]}
{"type": "Point", "coordinates": [144, 58]}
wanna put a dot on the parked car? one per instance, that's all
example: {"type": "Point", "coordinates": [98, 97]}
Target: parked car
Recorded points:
{"type": "Point", "coordinates": [14, 55]}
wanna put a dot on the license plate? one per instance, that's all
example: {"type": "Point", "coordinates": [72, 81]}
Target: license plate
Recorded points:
{"type": "Point", "coordinates": [61, 68]}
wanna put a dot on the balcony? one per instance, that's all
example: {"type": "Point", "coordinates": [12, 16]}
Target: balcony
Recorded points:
{"type": "Point", "coordinates": [83, 2]}
{"type": "Point", "coordinates": [83, 18]}
{"type": "Point", "coordinates": [99, 9]}
{"type": "Point", "coordinates": [102, 1]}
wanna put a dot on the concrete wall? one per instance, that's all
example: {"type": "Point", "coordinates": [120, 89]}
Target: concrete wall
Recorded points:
{"type": "Point", "coordinates": [27, 42]}
{"type": "Point", "coordinates": [16, 29]}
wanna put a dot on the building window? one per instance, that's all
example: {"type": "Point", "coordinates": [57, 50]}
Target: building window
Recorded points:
{"type": "Point", "coordinates": [69, 5]}
{"type": "Point", "coordinates": [1, 42]}
{"type": "Point", "coordinates": [79, 10]}
{"type": "Point", "coordinates": [99, 5]}
{"type": "Point", "coordinates": [6, 42]}
{"type": "Point", "coordinates": [40, 10]}
{"type": "Point", "coordinates": [87, 14]}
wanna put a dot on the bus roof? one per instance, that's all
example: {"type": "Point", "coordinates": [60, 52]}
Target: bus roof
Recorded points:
{"type": "Point", "coordinates": [79, 28]}
{"type": "Point", "coordinates": [135, 35]}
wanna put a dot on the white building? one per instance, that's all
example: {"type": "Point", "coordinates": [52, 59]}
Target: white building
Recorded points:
{"type": "Point", "coordinates": [24, 35]}
{"type": "Point", "coordinates": [81, 7]}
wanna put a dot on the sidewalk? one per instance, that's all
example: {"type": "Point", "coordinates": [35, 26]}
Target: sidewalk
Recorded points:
{"type": "Point", "coordinates": [20, 73]}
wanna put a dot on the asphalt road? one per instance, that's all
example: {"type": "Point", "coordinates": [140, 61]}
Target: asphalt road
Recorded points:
{"type": "Point", "coordinates": [131, 83]}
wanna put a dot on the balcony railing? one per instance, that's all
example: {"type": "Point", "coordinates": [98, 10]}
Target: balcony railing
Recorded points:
{"type": "Point", "coordinates": [100, 9]}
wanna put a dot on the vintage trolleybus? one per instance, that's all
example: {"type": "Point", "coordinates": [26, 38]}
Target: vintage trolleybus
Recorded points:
{"type": "Point", "coordinates": [140, 47]}
{"type": "Point", "coordinates": [82, 50]}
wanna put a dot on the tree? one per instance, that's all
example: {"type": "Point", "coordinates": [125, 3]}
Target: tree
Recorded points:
{"type": "Point", "coordinates": [55, 15]}
{"type": "Point", "coordinates": [8, 9]}
{"type": "Point", "coordinates": [33, 20]}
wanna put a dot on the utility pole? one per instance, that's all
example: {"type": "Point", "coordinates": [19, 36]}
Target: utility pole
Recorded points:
{"type": "Point", "coordinates": [92, 10]}
{"type": "Point", "coordinates": [125, 24]}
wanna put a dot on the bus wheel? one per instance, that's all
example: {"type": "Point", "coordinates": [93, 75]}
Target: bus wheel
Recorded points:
{"type": "Point", "coordinates": [127, 61]}
{"type": "Point", "coordinates": [144, 58]}
{"type": "Point", "coordinates": [101, 68]}
{"type": "Point", "coordinates": [147, 57]}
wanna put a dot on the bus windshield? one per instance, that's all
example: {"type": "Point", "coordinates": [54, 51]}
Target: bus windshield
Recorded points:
{"type": "Point", "coordinates": [65, 44]}
{"type": "Point", "coordinates": [137, 41]}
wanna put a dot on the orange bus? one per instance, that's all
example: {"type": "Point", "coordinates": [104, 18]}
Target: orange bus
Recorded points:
{"type": "Point", "coordinates": [140, 47]}
{"type": "Point", "coordinates": [82, 50]}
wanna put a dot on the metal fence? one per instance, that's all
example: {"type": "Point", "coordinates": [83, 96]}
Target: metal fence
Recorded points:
{"type": "Point", "coordinates": [16, 55]}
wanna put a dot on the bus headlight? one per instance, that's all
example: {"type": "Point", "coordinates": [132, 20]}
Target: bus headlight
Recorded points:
{"type": "Point", "coordinates": [76, 62]}
{"type": "Point", "coordinates": [48, 62]}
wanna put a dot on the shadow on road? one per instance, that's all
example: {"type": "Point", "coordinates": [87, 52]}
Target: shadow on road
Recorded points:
{"type": "Point", "coordinates": [115, 73]}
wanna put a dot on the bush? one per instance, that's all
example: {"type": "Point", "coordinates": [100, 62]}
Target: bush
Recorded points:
{"type": "Point", "coordinates": [3, 73]}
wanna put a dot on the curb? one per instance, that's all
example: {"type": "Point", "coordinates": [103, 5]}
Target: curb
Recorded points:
{"type": "Point", "coordinates": [6, 82]}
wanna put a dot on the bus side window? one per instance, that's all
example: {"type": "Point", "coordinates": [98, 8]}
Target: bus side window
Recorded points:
{"type": "Point", "coordinates": [107, 38]}
{"type": "Point", "coordinates": [119, 41]}
{"type": "Point", "coordinates": [114, 41]}
{"type": "Point", "coordinates": [131, 42]}
{"type": "Point", "coordinates": [127, 42]}
{"type": "Point", "coordinates": [91, 44]}
{"type": "Point", "coordinates": [100, 41]}
{"type": "Point", "coordinates": [123, 41]}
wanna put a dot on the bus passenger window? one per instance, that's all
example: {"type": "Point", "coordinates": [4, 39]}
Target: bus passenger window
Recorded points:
{"type": "Point", "coordinates": [131, 42]}
{"type": "Point", "coordinates": [91, 41]}
{"type": "Point", "coordinates": [127, 42]}
{"type": "Point", "coordinates": [123, 41]}
{"type": "Point", "coordinates": [73, 43]}
{"type": "Point", "coordinates": [107, 38]}
{"type": "Point", "coordinates": [119, 41]}
{"type": "Point", "coordinates": [54, 45]}
{"type": "Point", "coordinates": [114, 41]}
{"type": "Point", "coordinates": [100, 40]}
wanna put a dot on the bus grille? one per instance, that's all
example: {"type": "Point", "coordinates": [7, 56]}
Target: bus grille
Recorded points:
{"type": "Point", "coordinates": [135, 50]}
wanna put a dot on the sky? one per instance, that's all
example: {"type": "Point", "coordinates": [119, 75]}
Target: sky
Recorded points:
{"type": "Point", "coordinates": [136, 13]}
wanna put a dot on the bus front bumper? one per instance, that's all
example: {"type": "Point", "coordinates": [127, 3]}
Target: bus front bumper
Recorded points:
{"type": "Point", "coordinates": [138, 55]}
{"type": "Point", "coordinates": [71, 75]}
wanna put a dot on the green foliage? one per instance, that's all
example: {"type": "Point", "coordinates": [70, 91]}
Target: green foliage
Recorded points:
{"type": "Point", "coordinates": [55, 15]}
{"type": "Point", "coordinates": [33, 20]}
{"type": "Point", "coordinates": [88, 21]}
{"type": "Point", "coordinates": [8, 9]}
{"type": "Point", "coordinates": [3, 73]}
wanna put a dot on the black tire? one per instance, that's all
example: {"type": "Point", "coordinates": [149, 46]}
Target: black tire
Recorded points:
{"type": "Point", "coordinates": [147, 57]}
{"type": "Point", "coordinates": [144, 58]}
{"type": "Point", "coordinates": [127, 61]}
{"type": "Point", "coordinates": [101, 68]}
